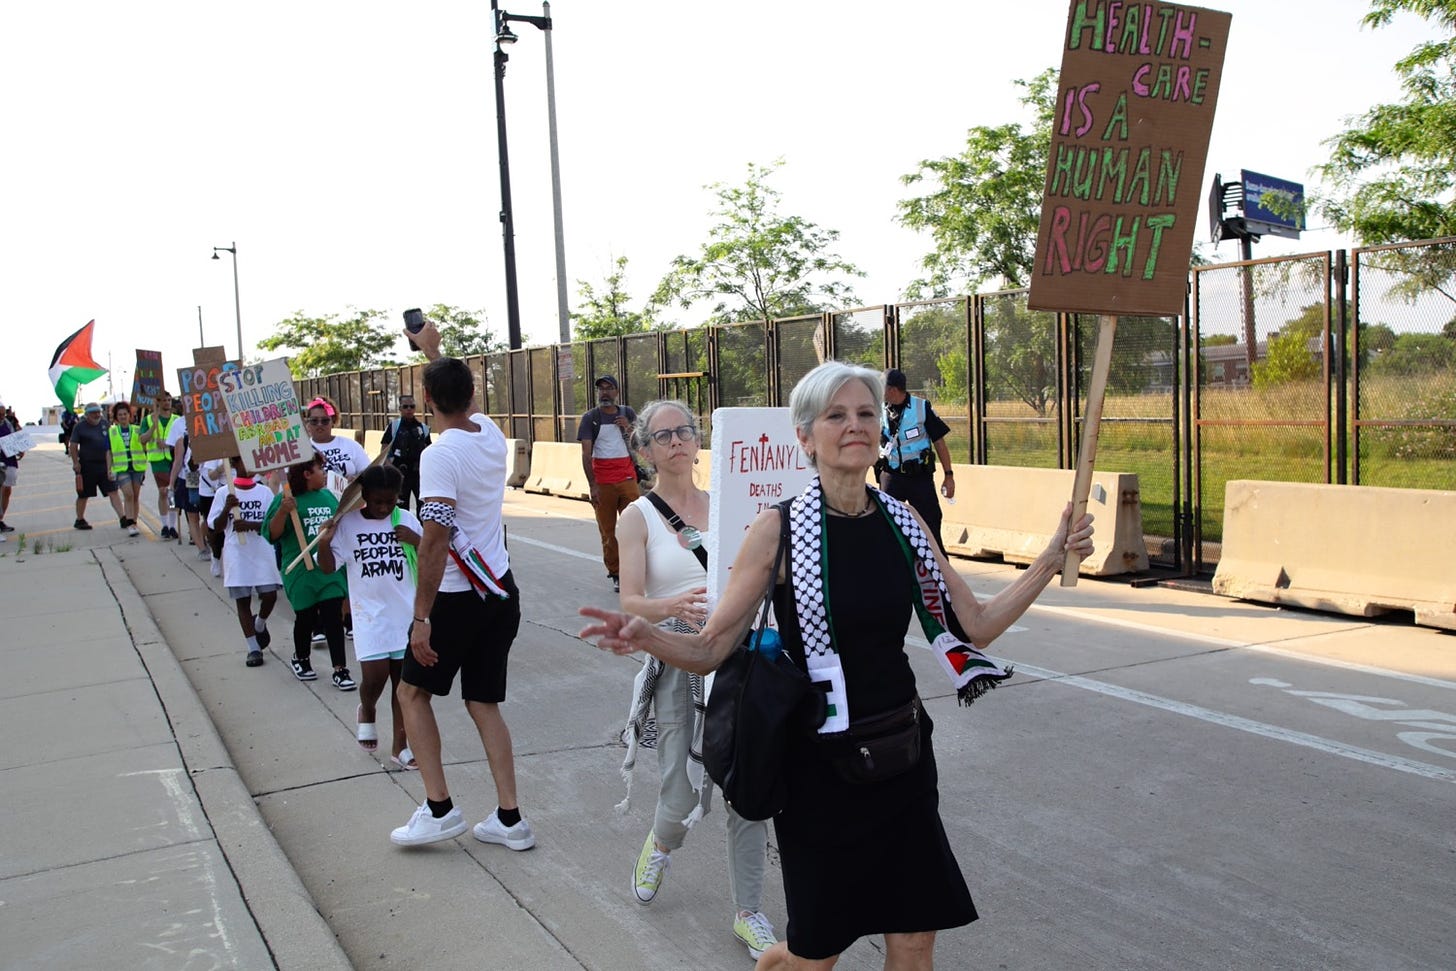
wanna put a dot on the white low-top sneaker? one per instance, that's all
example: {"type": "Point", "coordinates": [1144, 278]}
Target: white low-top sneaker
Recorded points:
{"type": "Point", "coordinates": [424, 828]}
{"type": "Point", "coordinates": [517, 837]}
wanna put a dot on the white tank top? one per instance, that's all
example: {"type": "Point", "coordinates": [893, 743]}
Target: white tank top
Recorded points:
{"type": "Point", "coordinates": [671, 569]}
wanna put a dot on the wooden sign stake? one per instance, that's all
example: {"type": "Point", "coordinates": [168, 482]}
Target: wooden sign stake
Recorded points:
{"type": "Point", "coordinates": [298, 530]}
{"type": "Point", "coordinates": [1091, 423]}
{"type": "Point", "coordinates": [352, 499]}
{"type": "Point", "coordinates": [233, 513]}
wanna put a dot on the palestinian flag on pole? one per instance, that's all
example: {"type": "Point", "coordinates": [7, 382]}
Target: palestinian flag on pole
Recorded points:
{"type": "Point", "coordinates": [72, 365]}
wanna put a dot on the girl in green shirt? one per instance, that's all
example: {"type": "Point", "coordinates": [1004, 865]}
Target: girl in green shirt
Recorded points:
{"type": "Point", "coordinates": [314, 595]}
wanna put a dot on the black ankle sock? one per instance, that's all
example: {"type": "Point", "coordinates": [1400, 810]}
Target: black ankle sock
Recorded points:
{"type": "Point", "coordinates": [440, 809]}
{"type": "Point", "coordinates": [508, 817]}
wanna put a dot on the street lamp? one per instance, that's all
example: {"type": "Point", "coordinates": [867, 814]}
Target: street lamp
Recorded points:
{"type": "Point", "coordinates": [237, 304]}
{"type": "Point", "coordinates": [504, 35]}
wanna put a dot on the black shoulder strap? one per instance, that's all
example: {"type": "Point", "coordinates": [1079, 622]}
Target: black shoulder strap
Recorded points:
{"type": "Point", "coordinates": [675, 521]}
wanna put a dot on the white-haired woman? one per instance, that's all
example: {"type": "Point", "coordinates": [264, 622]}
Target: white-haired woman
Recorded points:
{"type": "Point", "coordinates": [664, 580]}
{"type": "Point", "coordinates": [859, 857]}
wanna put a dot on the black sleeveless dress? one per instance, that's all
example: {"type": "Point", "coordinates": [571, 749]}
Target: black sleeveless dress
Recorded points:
{"type": "Point", "coordinates": [864, 859]}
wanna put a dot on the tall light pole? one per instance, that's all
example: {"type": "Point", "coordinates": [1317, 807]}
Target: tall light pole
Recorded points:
{"type": "Point", "coordinates": [237, 303]}
{"type": "Point", "coordinates": [200, 341]}
{"type": "Point", "coordinates": [504, 35]}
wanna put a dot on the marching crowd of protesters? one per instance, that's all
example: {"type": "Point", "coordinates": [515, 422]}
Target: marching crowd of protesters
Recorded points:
{"type": "Point", "coordinates": [432, 595]}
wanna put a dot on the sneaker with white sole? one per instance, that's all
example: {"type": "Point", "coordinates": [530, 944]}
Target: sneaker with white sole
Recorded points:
{"type": "Point", "coordinates": [424, 828]}
{"type": "Point", "coordinates": [216, 567]}
{"type": "Point", "coordinates": [260, 631]}
{"type": "Point", "coordinates": [342, 681]}
{"type": "Point", "coordinates": [517, 837]}
{"type": "Point", "coordinates": [303, 669]}
{"type": "Point", "coordinates": [650, 871]}
{"type": "Point", "coordinates": [755, 932]}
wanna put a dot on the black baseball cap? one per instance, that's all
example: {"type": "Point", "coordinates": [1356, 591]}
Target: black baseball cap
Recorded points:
{"type": "Point", "coordinates": [605, 379]}
{"type": "Point", "coordinates": [895, 378]}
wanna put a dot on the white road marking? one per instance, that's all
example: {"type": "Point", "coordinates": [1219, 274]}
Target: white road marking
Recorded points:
{"type": "Point", "coordinates": [1326, 745]}
{"type": "Point", "coordinates": [180, 797]}
{"type": "Point", "coordinates": [1077, 613]}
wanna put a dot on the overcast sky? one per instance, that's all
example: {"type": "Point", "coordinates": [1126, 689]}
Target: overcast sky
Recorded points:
{"type": "Point", "coordinates": [349, 148]}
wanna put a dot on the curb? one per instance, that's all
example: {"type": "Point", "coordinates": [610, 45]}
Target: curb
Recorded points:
{"type": "Point", "coordinates": [287, 918]}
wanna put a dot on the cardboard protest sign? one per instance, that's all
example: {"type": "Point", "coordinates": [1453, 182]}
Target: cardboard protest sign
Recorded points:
{"type": "Point", "coordinates": [203, 409]}
{"type": "Point", "coordinates": [757, 462]}
{"type": "Point", "coordinates": [263, 411]}
{"type": "Point", "coordinates": [16, 442]}
{"type": "Point", "coordinates": [146, 380]}
{"type": "Point", "coordinates": [1125, 171]}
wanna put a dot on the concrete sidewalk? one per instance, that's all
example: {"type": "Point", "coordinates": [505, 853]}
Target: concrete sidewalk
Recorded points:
{"type": "Point", "coordinates": [130, 840]}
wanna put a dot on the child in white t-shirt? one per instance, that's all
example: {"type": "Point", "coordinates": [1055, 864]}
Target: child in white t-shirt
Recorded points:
{"type": "Point", "coordinates": [375, 547]}
{"type": "Point", "coordinates": [248, 562]}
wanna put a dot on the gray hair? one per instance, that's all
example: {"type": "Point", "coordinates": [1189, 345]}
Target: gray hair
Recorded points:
{"type": "Point", "coordinates": [815, 390]}
{"type": "Point", "coordinates": [640, 441]}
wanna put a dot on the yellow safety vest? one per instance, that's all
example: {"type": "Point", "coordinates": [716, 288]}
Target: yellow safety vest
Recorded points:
{"type": "Point", "coordinates": [124, 458]}
{"type": "Point", "coordinates": [157, 447]}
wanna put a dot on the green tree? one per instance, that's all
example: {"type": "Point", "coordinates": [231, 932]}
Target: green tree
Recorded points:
{"type": "Point", "coordinates": [463, 333]}
{"type": "Point", "coordinates": [332, 343]}
{"type": "Point", "coordinates": [1416, 354]}
{"type": "Point", "coordinates": [604, 311]}
{"type": "Point", "coordinates": [758, 264]}
{"type": "Point", "coordinates": [1392, 172]}
{"type": "Point", "coordinates": [1290, 356]}
{"type": "Point", "coordinates": [984, 206]}
{"type": "Point", "coordinates": [1020, 355]}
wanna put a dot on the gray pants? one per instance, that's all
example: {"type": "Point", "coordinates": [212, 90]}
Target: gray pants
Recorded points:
{"type": "Point", "coordinates": [747, 841]}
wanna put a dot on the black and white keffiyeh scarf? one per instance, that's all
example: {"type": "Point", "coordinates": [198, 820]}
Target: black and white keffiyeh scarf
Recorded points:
{"type": "Point", "coordinates": [972, 672]}
{"type": "Point", "coordinates": [641, 728]}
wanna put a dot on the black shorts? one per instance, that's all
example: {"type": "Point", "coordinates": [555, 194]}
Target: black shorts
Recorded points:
{"type": "Point", "coordinates": [204, 509]}
{"type": "Point", "coordinates": [95, 481]}
{"type": "Point", "coordinates": [472, 635]}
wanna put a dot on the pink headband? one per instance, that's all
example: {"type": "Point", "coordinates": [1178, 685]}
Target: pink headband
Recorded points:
{"type": "Point", "coordinates": [321, 403]}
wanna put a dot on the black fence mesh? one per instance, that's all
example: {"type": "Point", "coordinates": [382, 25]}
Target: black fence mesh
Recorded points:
{"type": "Point", "coordinates": [1404, 349]}
{"type": "Point", "coordinates": [1255, 359]}
{"type": "Point", "coordinates": [1262, 402]}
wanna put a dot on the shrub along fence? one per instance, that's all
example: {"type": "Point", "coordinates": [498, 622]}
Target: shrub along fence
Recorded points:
{"type": "Point", "coordinates": [1333, 367]}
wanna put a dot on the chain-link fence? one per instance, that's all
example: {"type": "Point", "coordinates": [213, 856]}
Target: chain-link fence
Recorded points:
{"type": "Point", "coordinates": [1248, 384]}
{"type": "Point", "coordinates": [1262, 380]}
{"type": "Point", "coordinates": [1403, 420]}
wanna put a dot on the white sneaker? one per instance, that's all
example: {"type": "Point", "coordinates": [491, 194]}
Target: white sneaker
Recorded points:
{"type": "Point", "coordinates": [133, 531]}
{"type": "Point", "coordinates": [517, 837]}
{"type": "Point", "coordinates": [216, 567]}
{"type": "Point", "coordinates": [424, 828]}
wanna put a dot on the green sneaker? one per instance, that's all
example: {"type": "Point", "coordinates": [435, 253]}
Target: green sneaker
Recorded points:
{"type": "Point", "coordinates": [755, 932]}
{"type": "Point", "coordinates": [651, 870]}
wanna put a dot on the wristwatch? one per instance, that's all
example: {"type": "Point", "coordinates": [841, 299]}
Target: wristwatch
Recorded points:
{"type": "Point", "coordinates": [422, 620]}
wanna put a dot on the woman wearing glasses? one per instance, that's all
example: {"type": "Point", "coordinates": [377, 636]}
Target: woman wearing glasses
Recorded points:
{"type": "Point", "coordinates": [664, 579]}
{"type": "Point", "coordinates": [343, 457]}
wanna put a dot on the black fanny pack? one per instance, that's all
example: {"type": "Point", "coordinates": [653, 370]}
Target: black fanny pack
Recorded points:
{"type": "Point", "coordinates": [876, 748]}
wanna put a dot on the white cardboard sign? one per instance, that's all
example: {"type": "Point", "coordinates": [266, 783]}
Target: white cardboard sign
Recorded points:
{"type": "Point", "coordinates": [263, 409]}
{"type": "Point", "coordinates": [16, 443]}
{"type": "Point", "coordinates": [757, 462]}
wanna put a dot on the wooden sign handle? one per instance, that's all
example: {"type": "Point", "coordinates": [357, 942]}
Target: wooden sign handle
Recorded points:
{"type": "Point", "coordinates": [233, 513]}
{"type": "Point", "coordinates": [1091, 424]}
{"type": "Point", "coordinates": [298, 530]}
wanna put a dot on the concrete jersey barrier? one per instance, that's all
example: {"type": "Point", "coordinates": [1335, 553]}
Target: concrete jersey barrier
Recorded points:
{"type": "Point", "coordinates": [1011, 512]}
{"type": "Point", "coordinates": [518, 462]}
{"type": "Point", "coordinates": [1359, 550]}
{"type": "Point", "coordinates": [556, 470]}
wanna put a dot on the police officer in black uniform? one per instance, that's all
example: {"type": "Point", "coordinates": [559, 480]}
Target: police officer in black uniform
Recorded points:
{"type": "Point", "coordinates": [912, 435]}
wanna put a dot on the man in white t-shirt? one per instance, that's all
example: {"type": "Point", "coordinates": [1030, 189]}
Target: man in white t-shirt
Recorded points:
{"type": "Point", "coordinates": [464, 619]}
